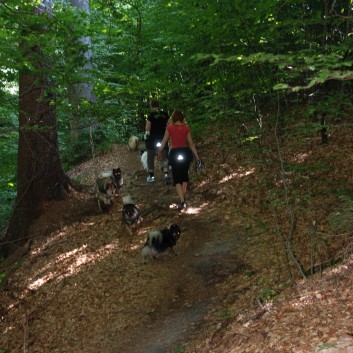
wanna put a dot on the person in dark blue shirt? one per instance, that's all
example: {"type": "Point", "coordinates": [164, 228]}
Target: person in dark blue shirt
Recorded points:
{"type": "Point", "coordinates": [156, 125]}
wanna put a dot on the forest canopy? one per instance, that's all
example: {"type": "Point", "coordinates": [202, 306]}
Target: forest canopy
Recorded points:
{"type": "Point", "coordinates": [227, 64]}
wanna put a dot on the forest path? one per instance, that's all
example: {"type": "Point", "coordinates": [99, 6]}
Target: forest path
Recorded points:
{"type": "Point", "coordinates": [191, 293]}
{"type": "Point", "coordinates": [207, 254]}
{"type": "Point", "coordinates": [84, 286]}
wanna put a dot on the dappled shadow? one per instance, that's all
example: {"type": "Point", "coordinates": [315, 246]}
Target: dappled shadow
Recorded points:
{"type": "Point", "coordinates": [89, 266]}
{"type": "Point", "coordinates": [84, 286]}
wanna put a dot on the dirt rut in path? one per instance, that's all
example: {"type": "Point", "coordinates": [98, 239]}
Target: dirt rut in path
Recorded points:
{"type": "Point", "coordinates": [197, 270]}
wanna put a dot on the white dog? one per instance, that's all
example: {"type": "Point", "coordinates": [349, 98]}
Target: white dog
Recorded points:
{"type": "Point", "coordinates": [143, 158]}
{"type": "Point", "coordinates": [133, 143]}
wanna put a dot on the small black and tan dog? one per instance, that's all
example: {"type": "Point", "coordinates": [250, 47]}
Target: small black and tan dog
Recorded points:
{"type": "Point", "coordinates": [130, 212]}
{"type": "Point", "coordinates": [159, 241]}
{"type": "Point", "coordinates": [106, 187]}
{"type": "Point", "coordinates": [117, 178]}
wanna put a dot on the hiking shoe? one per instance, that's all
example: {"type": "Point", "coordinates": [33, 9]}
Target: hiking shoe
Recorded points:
{"type": "Point", "coordinates": [150, 179]}
{"type": "Point", "coordinates": [182, 206]}
{"type": "Point", "coordinates": [167, 180]}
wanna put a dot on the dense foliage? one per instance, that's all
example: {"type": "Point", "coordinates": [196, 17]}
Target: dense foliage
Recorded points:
{"type": "Point", "coordinates": [232, 64]}
{"type": "Point", "coordinates": [8, 147]}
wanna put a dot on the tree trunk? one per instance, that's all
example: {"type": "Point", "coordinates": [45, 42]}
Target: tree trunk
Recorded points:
{"type": "Point", "coordinates": [84, 89]}
{"type": "Point", "coordinates": [40, 174]}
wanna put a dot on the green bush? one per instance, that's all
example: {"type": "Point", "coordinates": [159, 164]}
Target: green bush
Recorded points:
{"type": "Point", "coordinates": [8, 157]}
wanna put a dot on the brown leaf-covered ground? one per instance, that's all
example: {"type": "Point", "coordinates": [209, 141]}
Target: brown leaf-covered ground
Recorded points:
{"type": "Point", "coordinates": [83, 286]}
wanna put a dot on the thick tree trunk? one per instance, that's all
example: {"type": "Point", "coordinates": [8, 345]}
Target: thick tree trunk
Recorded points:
{"type": "Point", "coordinates": [40, 174]}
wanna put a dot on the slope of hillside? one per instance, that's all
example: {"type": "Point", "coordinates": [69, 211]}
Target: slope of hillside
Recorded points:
{"type": "Point", "coordinates": [83, 286]}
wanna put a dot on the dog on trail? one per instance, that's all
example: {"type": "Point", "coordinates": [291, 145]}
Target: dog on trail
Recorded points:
{"type": "Point", "coordinates": [130, 212]}
{"type": "Point", "coordinates": [105, 190]}
{"type": "Point", "coordinates": [143, 158]}
{"type": "Point", "coordinates": [106, 187]}
{"type": "Point", "coordinates": [133, 143]}
{"type": "Point", "coordinates": [159, 241]}
{"type": "Point", "coordinates": [117, 178]}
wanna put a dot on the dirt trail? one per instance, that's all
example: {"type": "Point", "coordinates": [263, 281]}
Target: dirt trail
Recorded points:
{"type": "Point", "coordinates": [84, 287]}
{"type": "Point", "coordinates": [202, 264]}
{"type": "Point", "coordinates": [207, 254]}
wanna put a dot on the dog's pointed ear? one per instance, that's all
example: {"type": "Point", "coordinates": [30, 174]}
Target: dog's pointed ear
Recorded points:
{"type": "Point", "coordinates": [175, 227]}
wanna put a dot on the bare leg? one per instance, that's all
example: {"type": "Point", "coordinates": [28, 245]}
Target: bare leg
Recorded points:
{"type": "Point", "coordinates": [180, 192]}
{"type": "Point", "coordinates": [184, 187]}
{"type": "Point", "coordinates": [163, 163]}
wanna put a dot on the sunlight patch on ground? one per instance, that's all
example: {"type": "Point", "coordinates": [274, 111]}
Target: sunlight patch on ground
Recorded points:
{"type": "Point", "coordinates": [8, 329]}
{"type": "Point", "coordinates": [135, 247]}
{"type": "Point", "coordinates": [190, 209]}
{"type": "Point", "coordinates": [196, 210]}
{"type": "Point", "coordinates": [203, 183]}
{"type": "Point", "coordinates": [72, 262]}
{"type": "Point", "coordinates": [307, 299]}
{"type": "Point", "coordinates": [173, 206]}
{"type": "Point", "coordinates": [54, 238]}
{"type": "Point", "coordinates": [240, 174]}
{"type": "Point", "coordinates": [49, 241]}
{"type": "Point", "coordinates": [59, 259]}
{"type": "Point", "coordinates": [301, 157]}
{"type": "Point", "coordinates": [312, 296]}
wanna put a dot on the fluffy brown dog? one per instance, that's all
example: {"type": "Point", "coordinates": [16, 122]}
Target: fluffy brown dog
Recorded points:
{"type": "Point", "coordinates": [107, 185]}
{"type": "Point", "coordinates": [133, 143]}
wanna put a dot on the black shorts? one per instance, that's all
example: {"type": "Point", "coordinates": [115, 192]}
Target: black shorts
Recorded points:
{"type": "Point", "coordinates": [180, 160]}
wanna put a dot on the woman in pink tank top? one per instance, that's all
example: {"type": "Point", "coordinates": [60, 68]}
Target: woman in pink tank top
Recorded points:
{"type": "Point", "coordinates": [181, 153]}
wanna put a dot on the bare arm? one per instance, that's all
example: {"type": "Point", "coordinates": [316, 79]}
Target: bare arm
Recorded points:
{"type": "Point", "coordinates": [148, 125]}
{"type": "Point", "coordinates": [164, 141]}
{"type": "Point", "coordinates": [192, 146]}
{"type": "Point", "coordinates": [147, 129]}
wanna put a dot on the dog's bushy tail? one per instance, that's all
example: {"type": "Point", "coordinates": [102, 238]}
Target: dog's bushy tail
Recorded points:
{"type": "Point", "coordinates": [143, 158]}
{"type": "Point", "coordinates": [128, 200]}
{"type": "Point", "coordinates": [149, 249]}
{"type": "Point", "coordinates": [155, 236]}
{"type": "Point", "coordinates": [104, 175]}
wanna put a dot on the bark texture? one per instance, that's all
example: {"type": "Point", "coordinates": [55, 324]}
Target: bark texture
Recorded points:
{"type": "Point", "coordinates": [40, 174]}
